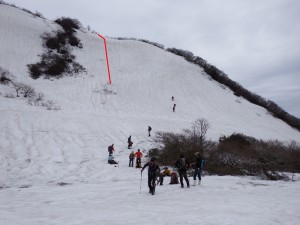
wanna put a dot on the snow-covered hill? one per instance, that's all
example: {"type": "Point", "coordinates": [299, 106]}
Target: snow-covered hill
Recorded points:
{"type": "Point", "coordinates": [42, 148]}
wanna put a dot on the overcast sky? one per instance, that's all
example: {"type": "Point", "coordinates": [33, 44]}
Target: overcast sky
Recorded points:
{"type": "Point", "coordinates": [255, 42]}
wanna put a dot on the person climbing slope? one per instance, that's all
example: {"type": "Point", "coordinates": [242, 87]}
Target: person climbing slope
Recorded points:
{"type": "Point", "coordinates": [129, 142]}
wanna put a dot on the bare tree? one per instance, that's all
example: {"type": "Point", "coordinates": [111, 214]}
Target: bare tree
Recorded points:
{"type": "Point", "coordinates": [28, 91]}
{"type": "Point", "coordinates": [18, 87]}
{"type": "Point", "coordinates": [197, 134]}
{"type": "Point", "coordinates": [200, 127]}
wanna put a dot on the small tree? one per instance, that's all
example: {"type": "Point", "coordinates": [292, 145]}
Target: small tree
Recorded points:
{"type": "Point", "coordinates": [199, 129]}
{"type": "Point", "coordinates": [18, 87]}
{"type": "Point", "coordinates": [5, 76]}
{"type": "Point", "coordinates": [39, 97]}
{"type": "Point", "coordinates": [171, 145]}
{"type": "Point", "coordinates": [28, 91]}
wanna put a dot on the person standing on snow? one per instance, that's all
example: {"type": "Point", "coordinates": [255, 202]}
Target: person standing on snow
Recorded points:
{"type": "Point", "coordinates": [149, 130]}
{"type": "Point", "coordinates": [198, 166]}
{"type": "Point", "coordinates": [182, 166]}
{"type": "Point", "coordinates": [174, 107]}
{"type": "Point", "coordinates": [138, 156]}
{"type": "Point", "coordinates": [129, 142]}
{"type": "Point", "coordinates": [152, 173]}
{"type": "Point", "coordinates": [131, 158]}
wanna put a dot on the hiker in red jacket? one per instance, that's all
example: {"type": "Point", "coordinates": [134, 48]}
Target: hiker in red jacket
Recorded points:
{"type": "Point", "coordinates": [138, 156]}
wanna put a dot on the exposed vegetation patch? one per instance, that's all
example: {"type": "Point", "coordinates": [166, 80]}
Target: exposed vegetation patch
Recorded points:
{"type": "Point", "coordinates": [142, 40]}
{"type": "Point", "coordinates": [236, 154]}
{"type": "Point", "coordinates": [24, 91]}
{"type": "Point", "coordinates": [57, 59]}
{"type": "Point", "coordinates": [5, 76]}
{"type": "Point", "coordinates": [63, 184]}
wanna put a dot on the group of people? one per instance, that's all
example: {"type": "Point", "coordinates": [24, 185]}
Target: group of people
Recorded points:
{"type": "Point", "coordinates": [155, 176]}
{"type": "Point", "coordinates": [136, 155]}
{"type": "Point", "coordinates": [181, 164]}
{"type": "Point", "coordinates": [174, 105]}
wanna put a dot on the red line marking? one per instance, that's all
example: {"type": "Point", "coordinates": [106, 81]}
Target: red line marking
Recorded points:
{"type": "Point", "coordinates": [106, 54]}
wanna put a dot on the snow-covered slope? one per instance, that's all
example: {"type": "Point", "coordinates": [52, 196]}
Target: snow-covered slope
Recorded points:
{"type": "Point", "coordinates": [40, 148]}
{"type": "Point", "coordinates": [144, 79]}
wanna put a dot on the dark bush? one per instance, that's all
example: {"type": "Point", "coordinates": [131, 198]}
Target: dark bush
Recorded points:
{"type": "Point", "coordinates": [53, 43]}
{"type": "Point", "coordinates": [74, 41]}
{"type": "Point", "coordinates": [58, 60]}
{"type": "Point", "coordinates": [69, 25]}
{"type": "Point", "coordinates": [57, 67]}
{"type": "Point", "coordinates": [35, 70]}
{"type": "Point", "coordinates": [236, 154]}
{"type": "Point", "coordinates": [5, 76]}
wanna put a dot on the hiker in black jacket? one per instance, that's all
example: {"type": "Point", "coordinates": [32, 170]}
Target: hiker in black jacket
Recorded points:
{"type": "Point", "coordinates": [129, 142]}
{"type": "Point", "coordinates": [182, 166]}
{"type": "Point", "coordinates": [198, 166]}
{"type": "Point", "coordinates": [149, 130]}
{"type": "Point", "coordinates": [152, 174]}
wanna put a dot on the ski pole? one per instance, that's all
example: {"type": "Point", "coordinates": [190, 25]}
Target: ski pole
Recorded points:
{"type": "Point", "coordinates": [141, 183]}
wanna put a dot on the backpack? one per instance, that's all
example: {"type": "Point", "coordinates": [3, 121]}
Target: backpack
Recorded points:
{"type": "Point", "coordinates": [202, 164]}
{"type": "Point", "coordinates": [110, 149]}
{"type": "Point", "coordinates": [181, 164]}
{"type": "Point", "coordinates": [174, 178]}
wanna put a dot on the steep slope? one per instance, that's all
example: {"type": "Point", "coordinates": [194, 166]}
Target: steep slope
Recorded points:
{"type": "Point", "coordinates": [40, 146]}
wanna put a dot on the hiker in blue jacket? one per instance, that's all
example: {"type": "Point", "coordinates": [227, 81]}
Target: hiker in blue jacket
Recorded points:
{"type": "Point", "coordinates": [153, 170]}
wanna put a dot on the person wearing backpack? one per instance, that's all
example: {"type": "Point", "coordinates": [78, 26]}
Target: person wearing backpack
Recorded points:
{"type": "Point", "coordinates": [153, 170]}
{"type": "Point", "coordinates": [198, 166]}
{"type": "Point", "coordinates": [182, 166]}
{"type": "Point", "coordinates": [111, 149]}
{"type": "Point", "coordinates": [131, 158]}
{"type": "Point", "coordinates": [129, 142]}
